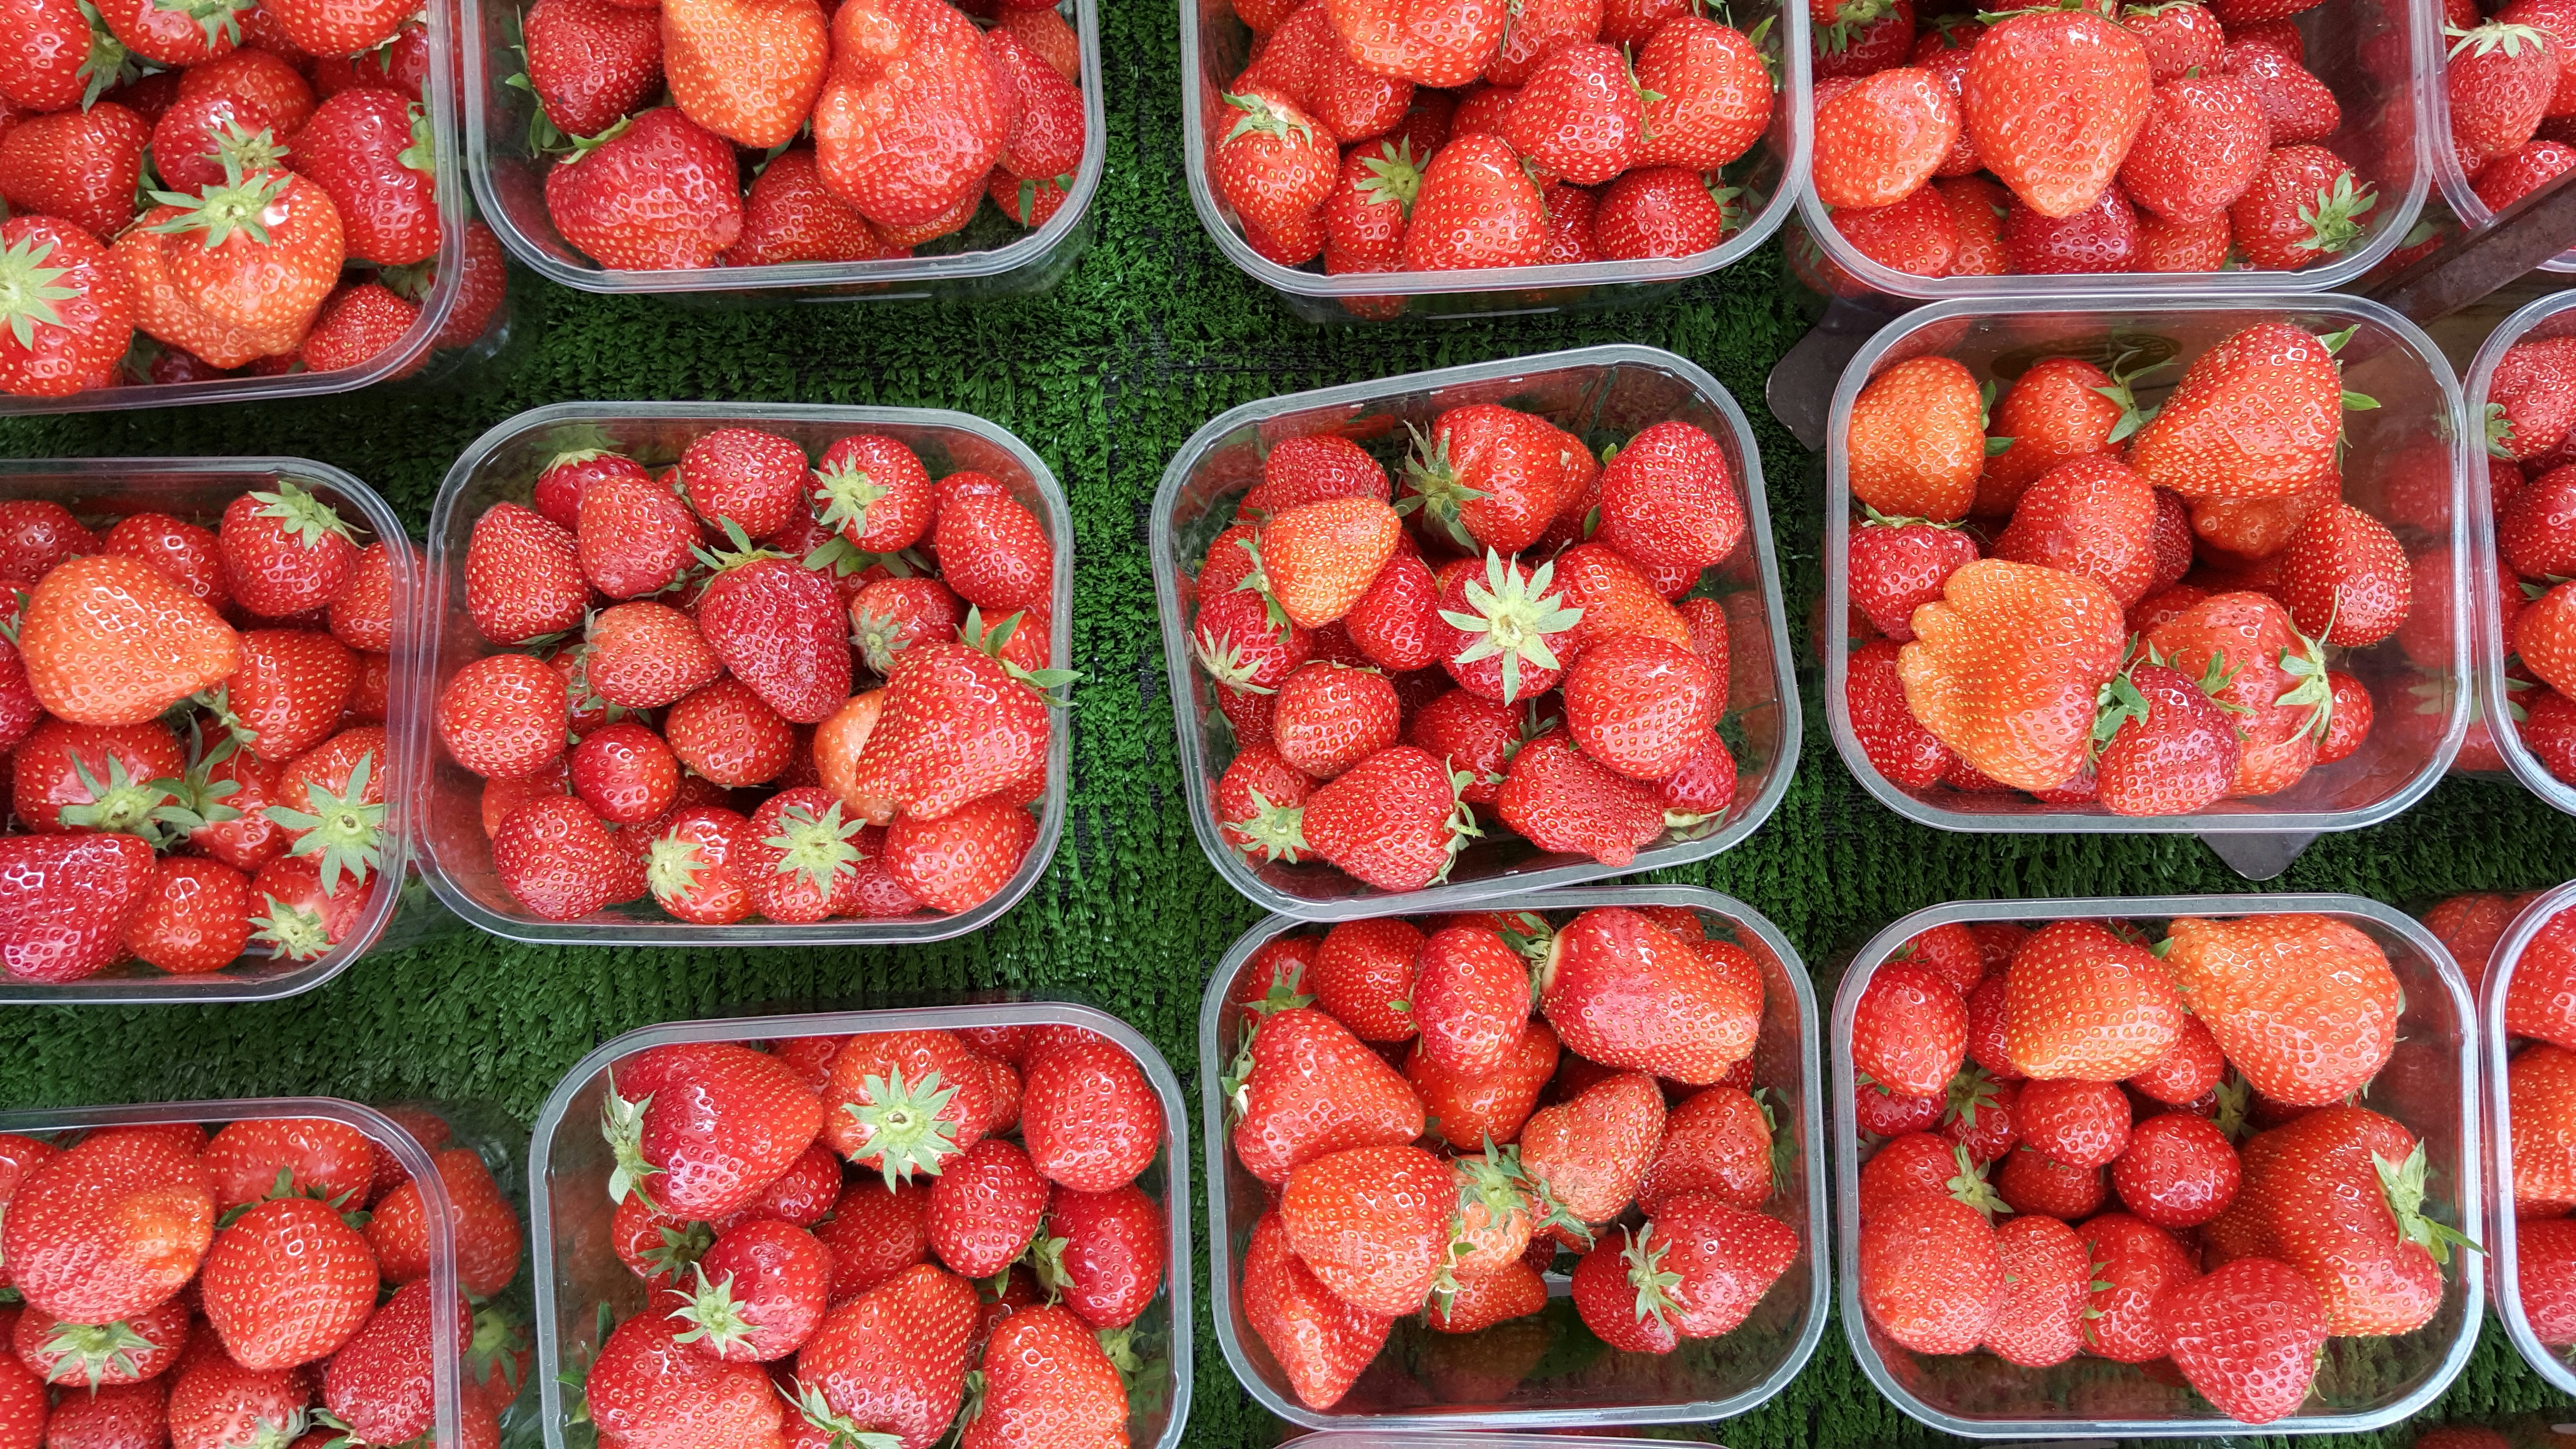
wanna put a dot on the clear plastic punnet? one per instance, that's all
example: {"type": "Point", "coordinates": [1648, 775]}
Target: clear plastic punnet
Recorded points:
{"type": "Point", "coordinates": [2473, 213]}
{"type": "Point", "coordinates": [502, 467]}
{"type": "Point", "coordinates": [991, 257]}
{"type": "Point", "coordinates": [2430, 1085]}
{"type": "Point", "coordinates": [1591, 1384]}
{"type": "Point", "coordinates": [1599, 394]}
{"type": "Point", "coordinates": [1215, 47]}
{"type": "Point", "coordinates": [196, 490]}
{"type": "Point", "coordinates": [578, 1272]}
{"type": "Point", "coordinates": [2413, 440]}
{"type": "Point", "coordinates": [2383, 61]}
{"type": "Point", "coordinates": [2504, 1262]}
{"type": "Point", "coordinates": [2551, 316]}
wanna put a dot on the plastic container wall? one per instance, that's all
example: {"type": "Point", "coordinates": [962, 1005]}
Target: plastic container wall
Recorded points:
{"type": "Point", "coordinates": [2381, 58]}
{"type": "Point", "coordinates": [446, 1369]}
{"type": "Point", "coordinates": [992, 257]}
{"type": "Point", "coordinates": [2504, 1262]}
{"type": "Point", "coordinates": [577, 1268]}
{"type": "Point", "coordinates": [2552, 316]}
{"type": "Point", "coordinates": [196, 490]}
{"type": "Point", "coordinates": [1705, 1379]}
{"type": "Point", "coordinates": [2430, 1085]}
{"type": "Point", "coordinates": [2474, 214]}
{"type": "Point", "coordinates": [502, 466]}
{"type": "Point", "coordinates": [439, 100]}
{"type": "Point", "coordinates": [2420, 707]}
{"type": "Point", "coordinates": [1598, 393]}
{"type": "Point", "coordinates": [1216, 45]}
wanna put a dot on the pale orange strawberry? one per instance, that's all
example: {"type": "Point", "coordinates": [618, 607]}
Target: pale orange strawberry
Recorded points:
{"type": "Point", "coordinates": [1917, 441]}
{"type": "Point", "coordinates": [111, 640]}
{"type": "Point", "coordinates": [2256, 416]}
{"type": "Point", "coordinates": [1321, 557]}
{"type": "Point", "coordinates": [2006, 664]}
{"type": "Point", "coordinates": [2305, 1006]}
{"type": "Point", "coordinates": [2082, 1004]}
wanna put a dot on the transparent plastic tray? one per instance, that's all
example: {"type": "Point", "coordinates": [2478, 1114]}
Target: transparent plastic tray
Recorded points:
{"type": "Point", "coordinates": [577, 1268]}
{"type": "Point", "coordinates": [2474, 215]}
{"type": "Point", "coordinates": [2430, 1085]}
{"type": "Point", "coordinates": [1591, 392]}
{"type": "Point", "coordinates": [446, 1369]}
{"type": "Point", "coordinates": [2381, 58]}
{"type": "Point", "coordinates": [2503, 1263]}
{"type": "Point", "coordinates": [1216, 45]}
{"type": "Point", "coordinates": [1704, 1380]}
{"type": "Point", "coordinates": [502, 466]}
{"type": "Point", "coordinates": [2388, 358]}
{"type": "Point", "coordinates": [509, 183]}
{"type": "Point", "coordinates": [196, 491]}
{"type": "Point", "coordinates": [2551, 316]}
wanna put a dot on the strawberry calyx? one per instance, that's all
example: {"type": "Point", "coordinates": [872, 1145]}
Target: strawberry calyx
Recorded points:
{"type": "Point", "coordinates": [2313, 691]}
{"type": "Point", "coordinates": [671, 866]}
{"type": "Point", "coordinates": [2499, 430]}
{"type": "Point", "coordinates": [723, 560]}
{"type": "Point", "coordinates": [1971, 1091]}
{"type": "Point", "coordinates": [1283, 994]}
{"type": "Point", "coordinates": [250, 151]}
{"type": "Point", "coordinates": [2493, 36]}
{"type": "Point", "coordinates": [845, 558]}
{"type": "Point", "coordinates": [1258, 582]}
{"type": "Point", "coordinates": [1275, 832]}
{"type": "Point", "coordinates": [1872, 518]}
{"type": "Point", "coordinates": [422, 154]}
{"type": "Point", "coordinates": [1985, 418]}
{"type": "Point", "coordinates": [582, 146]}
{"type": "Point", "coordinates": [495, 1345]}
{"type": "Point", "coordinates": [2234, 1106]}
{"type": "Point", "coordinates": [284, 1187]}
{"type": "Point", "coordinates": [280, 1433]}
{"type": "Point", "coordinates": [839, 1430]}
{"type": "Point", "coordinates": [88, 1352]}
{"type": "Point", "coordinates": [1435, 483]}
{"type": "Point", "coordinates": [846, 492]}
{"type": "Point", "coordinates": [1971, 1187]}
{"type": "Point", "coordinates": [714, 1319]}
{"type": "Point", "coordinates": [1495, 1183]}
{"type": "Point", "coordinates": [1460, 826]}
{"type": "Point", "coordinates": [1261, 116]}
{"type": "Point", "coordinates": [28, 289]}
{"type": "Point", "coordinates": [296, 933]}
{"type": "Point", "coordinates": [1051, 684]}
{"type": "Point", "coordinates": [818, 848]}
{"type": "Point", "coordinates": [2402, 1186]}
{"type": "Point", "coordinates": [1046, 1262]}
{"type": "Point", "coordinates": [1394, 175]}
{"type": "Point", "coordinates": [679, 1250]}
{"type": "Point", "coordinates": [347, 833]}
{"type": "Point", "coordinates": [1514, 614]}
{"type": "Point", "coordinates": [239, 203]}
{"type": "Point", "coordinates": [906, 1132]}
{"type": "Point", "coordinates": [122, 805]}
{"type": "Point", "coordinates": [300, 514]}
{"type": "Point", "coordinates": [621, 1123]}
{"type": "Point", "coordinates": [2125, 371]}
{"type": "Point", "coordinates": [2334, 223]}
{"type": "Point", "coordinates": [219, 19]}
{"type": "Point", "coordinates": [109, 64]}
{"type": "Point", "coordinates": [1647, 1274]}
{"type": "Point", "coordinates": [1228, 666]}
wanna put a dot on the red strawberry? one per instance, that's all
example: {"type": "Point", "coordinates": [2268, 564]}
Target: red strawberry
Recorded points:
{"type": "Point", "coordinates": [1304, 1087]}
{"type": "Point", "coordinates": [1932, 1277]}
{"type": "Point", "coordinates": [957, 725]}
{"type": "Point", "coordinates": [1716, 1142]}
{"type": "Point", "coordinates": [1883, 136]}
{"type": "Point", "coordinates": [2178, 1171]}
{"type": "Point", "coordinates": [2091, 516]}
{"type": "Point", "coordinates": [1476, 208]}
{"type": "Point", "coordinates": [1371, 1223]}
{"type": "Point", "coordinates": [1321, 1341]}
{"type": "Point", "coordinates": [2053, 100]}
{"type": "Point", "coordinates": [195, 917]}
{"type": "Point", "coordinates": [654, 192]}
{"type": "Point", "coordinates": [2344, 578]}
{"type": "Point", "coordinates": [779, 628]}
{"type": "Point", "coordinates": [2085, 1004]}
{"type": "Point", "coordinates": [285, 551]}
{"type": "Point", "coordinates": [1918, 235]}
{"type": "Point", "coordinates": [2060, 408]}
{"type": "Point", "coordinates": [1712, 94]}
{"type": "Point", "coordinates": [1579, 114]}
{"type": "Point", "coordinates": [1585, 1156]}
{"type": "Point", "coordinates": [368, 149]}
{"type": "Point", "coordinates": [644, 655]}
{"type": "Point", "coordinates": [2273, 676]}
{"type": "Point", "coordinates": [83, 166]}
{"type": "Point", "coordinates": [759, 1292]}
{"type": "Point", "coordinates": [1103, 1252]}
{"type": "Point", "coordinates": [1624, 992]}
{"type": "Point", "coordinates": [2305, 1006]}
{"type": "Point", "coordinates": [726, 734]}
{"type": "Point", "coordinates": [2304, 205]}
{"type": "Point", "coordinates": [2167, 747]}
{"type": "Point", "coordinates": [1894, 566]}
{"type": "Point", "coordinates": [1910, 1031]}
{"type": "Point", "coordinates": [636, 536]}
{"type": "Point", "coordinates": [214, 1401]}
{"type": "Point", "coordinates": [701, 1129]}
{"type": "Point", "coordinates": [96, 1356]}
{"type": "Point", "coordinates": [381, 1384]}
{"type": "Point", "coordinates": [2247, 1337]}
{"type": "Point", "coordinates": [1641, 706]}
{"type": "Point", "coordinates": [2300, 107]}
{"type": "Point", "coordinates": [874, 1232]}
{"type": "Point", "coordinates": [1561, 800]}
{"type": "Point", "coordinates": [590, 62]}
{"type": "Point", "coordinates": [1275, 163]}
{"type": "Point", "coordinates": [1046, 1374]}
{"type": "Point", "coordinates": [1472, 998]}
{"type": "Point", "coordinates": [1661, 211]}
{"type": "Point", "coordinates": [64, 904]}
{"type": "Point", "coordinates": [995, 553]}
{"type": "Point", "coordinates": [1493, 477]}
{"type": "Point", "coordinates": [2205, 140]}
{"type": "Point", "coordinates": [2103, 237]}
{"type": "Point", "coordinates": [654, 1392]}
{"type": "Point", "coordinates": [895, 1358]}
{"type": "Point", "coordinates": [2039, 1322]}
{"type": "Point", "coordinates": [1393, 820]}
{"type": "Point", "coordinates": [557, 859]}
{"type": "Point", "coordinates": [1327, 718]}
{"type": "Point", "coordinates": [1917, 441]}
{"type": "Point", "coordinates": [1893, 741]}
{"type": "Point", "coordinates": [2178, 35]}
{"type": "Point", "coordinates": [1974, 676]}
{"type": "Point", "coordinates": [1668, 500]}
{"type": "Point", "coordinates": [1364, 974]}
{"type": "Point", "coordinates": [288, 1283]}
{"type": "Point", "coordinates": [2500, 78]}
{"type": "Point", "coordinates": [1090, 1119]}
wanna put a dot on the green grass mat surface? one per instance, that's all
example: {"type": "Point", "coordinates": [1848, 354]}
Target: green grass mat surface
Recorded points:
{"type": "Point", "coordinates": [1151, 335]}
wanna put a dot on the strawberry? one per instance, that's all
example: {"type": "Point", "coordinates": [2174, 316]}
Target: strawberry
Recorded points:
{"type": "Point", "coordinates": [2166, 747]}
{"type": "Point", "coordinates": [1275, 163]}
{"type": "Point", "coordinates": [2077, 1123]}
{"type": "Point", "coordinates": [2268, 675]}
{"type": "Point", "coordinates": [321, 1159]}
{"type": "Point", "coordinates": [2039, 1321]}
{"type": "Point", "coordinates": [874, 1232]}
{"type": "Point", "coordinates": [1910, 1031]}
{"type": "Point", "coordinates": [1504, 629]}
{"type": "Point", "coordinates": [1667, 500]}
{"type": "Point", "coordinates": [288, 691]}
{"type": "Point", "coordinates": [2500, 78]}
{"type": "Point", "coordinates": [2103, 237]}
{"type": "Point", "coordinates": [1327, 718]}
{"type": "Point", "coordinates": [2543, 1250]}
{"type": "Point", "coordinates": [96, 1356]}
{"type": "Point", "coordinates": [214, 1402]}
{"type": "Point", "coordinates": [2540, 1000]}
{"type": "Point", "coordinates": [2084, 1004]}
{"type": "Point", "coordinates": [64, 905]}
{"type": "Point", "coordinates": [2205, 140]}
{"type": "Point", "coordinates": [194, 917]}
{"type": "Point", "coordinates": [288, 1283]}
{"type": "Point", "coordinates": [798, 857]}
{"type": "Point", "coordinates": [261, 77]}
{"type": "Point", "coordinates": [503, 716]}
{"type": "Point", "coordinates": [891, 615]}
{"type": "Point", "coordinates": [1882, 1114]}
{"type": "Point", "coordinates": [1881, 137]}
{"type": "Point", "coordinates": [110, 640]}
{"type": "Point", "coordinates": [188, 555]}
{"type": "Point", "coordinates": [1476, 206]}
{"type": "Point", "coordinates": [2540, 1087]}
{"type": "Point", "coordinates": [1397, 623]}
{"type": "Point", "coordinates": [2304, 205]}
{"type": "Point", "coordinates": [2060, 408]}
{"type": "Point", "coordinates": [701, 1129]}
{"type": "Point", "coordinates": [1712, 94]}
{"type": "Point", "coordinates": [1861, 37]}
{"type": "Point", "coordinates": [1612, 597]}
{"type": "Point", "coordinates": [874, 492]}
{"type": "Point", "coordinates": [68, 307]}
{"type": "Point", "coordinates": [485, 1227]}
{"type": "Point", "coordinates": [748, 70]}
{"type": "Point", "coordinates": [635, 536]}
{"type": "Point", "coordinates": [908, 1101]}
{"type": "Point", "coordinates": [994, 552]}
{"type": "Point", "coordinates": [645, 655]}
{"type": "Point", "coordinates": [1585, 1156]}
{"type": "Point", "coordinates": [778, 627]}
{"type": "Point", "coordinates": [590, 62]}
{"type": "Point", "coordinates": [1917, 235]}
{"type": "Point", "coordinates": [2091, 516]}
{"type": "Point", "coordinates": [1641, 706]}
{"type": "Point", "coordinates": [362, 613]}
{"type": "Point", "coordinates": [560, 484]}
{"type": "Point", "coordinates": [653, 192]}
{"type": "Point", "coordinates": [260, 252]}
{"type": "Point", "coordinates": [726, 734]}
{"type": "Point", "coordinates": [109, 1228]}
{"type": "Point", "coordinates": [1709, 1262]}
{"type": "Point", "coordinates": [1579, 114]}
{"type": "Point", "coordinates": [2300, 107]}
{"type": "Point", "coordinates": [84, 167]}
{"type": "Point", "coordinates": [1716, 1142]}
{"type": "Point", "coordinates": [1090, 1119]}
{"type": "Point", "coordinates": [2053, 101]}
{"type": "Point", "coordinates": [2178, 1171]}
{"type": "Point", "coordinates": [2178, 35]}
{"type": "Point", "coordinates": [1371, 1223]}
{"type": "Point", "coordinates": [1443, 44]}
{"type": "Point", "coordinates": [2518, 173]}
{"type": "Point", "coordinates": [1321, 1341]}
{"type": "Point", "coordinates": [81, 778]}
{"type": "Point", "coordinates": [625, 773]}
{"type": "Point", "coordinates": [895, 1358]}
{"type": "Point", "coordinates": [1303, 1086]}
{"type": "Point", "coordinates": [1364, 974]}
{"type": "Point", "coordinates": [1472, 997]}
{"type": "Point", "coordinates": [1626, 993]}
{"type": "Point", "coordinates": [2247, 1337]}
{"type": "Point", "coordinates": [759, 1292]}
{"type": "Point", "coordinates": [1102, 1252]}
{"type": "Point", "coordinates": [912, 116]}
{"type": "Point", "coordinates": [1045, 1374]}
{"type": "Point", "coordinates": [1931, 1274]}
{"type": "Point", "coordinates": [1394, 820]}
{"type": "Point", "coordinates": [1258, 801]}
{"type": "Point", "coordinates": [381, 1384]}
{"type": "Point", "coordinates": [2305, 1006]}
{"type": "Point", "coordinates": [1491, 477]}
{"type": "Point", "coordinates": [1917, 441]}
{"type": "Point", "coordinates": [1893, 741]}
{"type": "Point", "coordinates": [1660, 211]}
{"type": "Point", "coordinates": [1319, 559]}
{"type": "Point", "coordinates": [368, 150]}
{"type": "Point", "coordinates": [655, 1392]}
{"type": "Point", "coordinates": [2344, 578]}
{"type": "Point", "coordinates": [2006, 667]}
{"type": "Point", "coordinates": [789, 215]}
{"type": "Point", "coordinates": [60, 58]}
{"type": "Point", "coordinates": [753, 479]}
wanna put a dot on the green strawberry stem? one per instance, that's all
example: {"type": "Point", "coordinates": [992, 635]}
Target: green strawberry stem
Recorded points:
{"type": "Point", "coordinates": [109, 64]}
{"type": "Point", "coordinates": [239, 203]}
{"type": "Point", "coordinates": [1970, 1186]}
{"type": "Point", "coordinates": [621, 1122]}
{"type": "Point", "coordinates": [2402, 1185]}
{"type": "Point", "coordinates": [2334, 223]}
{"type": "Point", "coordinates": [671, 866]}
{"type": "Point", "coordinates": [1434, 480]}
{"type": "Point", "coordinates": [816, 848]}
{"type": "Point", "coordinates": [1394, 174]}
{"type": "Point", "coordinates": [1275, 832]}
{"type": "Point", "coordinates": [846, 492]}
{"type": "Point", "coordinates": [713, 1317]}
{"type": "Point", "coordinates": [27, 288]}
{"type": "Point", "coordinates": [342, 829]}
{"type": "Point", "coordinates": [293, 932]}
{"type": "Point", "coordinates": [1259, 115]}
{"type": "Point", "coordinates": [1647, 1274]}
{"type": "Point", "coordinates": [843, 1432]}
{"type": "Point", "coordinates": [89, 1352]}
{"type": "Point", "coordinates": [123, 805]}
{"type": "Point", "coordinates": [906, 1132]}
{"type": "Point", "coordinates": [1513, 615]}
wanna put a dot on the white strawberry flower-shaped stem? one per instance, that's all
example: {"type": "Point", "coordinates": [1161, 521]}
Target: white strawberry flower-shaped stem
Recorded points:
{"type": "Point", "coordinates": [905, 1130]}
{"type": "Point", "coordinates": [1513, 616]}
{"type": "Point", "coordinates": [712, 1316]}
{"type": "Point", "coordinates": [291, 931]}
{"type": "Point", "coordinates": [87, 1352]}
{"type": "Point", "coordinates": [342, 829]}
{"type": "Point", "coordinates": [818, 848]}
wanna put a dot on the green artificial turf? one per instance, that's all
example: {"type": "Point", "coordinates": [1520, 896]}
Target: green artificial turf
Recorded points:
{"type": "Point", "coordinates": [1152, 334]}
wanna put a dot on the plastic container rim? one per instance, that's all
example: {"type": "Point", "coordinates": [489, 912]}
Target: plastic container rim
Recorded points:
{"type": "Point", "coordinates": [1847, 1165]}
{"type": "Point", "coordinates": [1837, 565]}
{"type": "Point", "coordinates": [837, 931]}
{"type": "Point", "coordinates": [1218, 1139]}
{"type": "Point", "coordinates": [2493, 695]}
{"type": "Point", "coordinates": [1167, 1088]}
{"type": "Point", "coordinates": [2502, 1227]}
{"type": "Point", "coordinates": [1178, 664]}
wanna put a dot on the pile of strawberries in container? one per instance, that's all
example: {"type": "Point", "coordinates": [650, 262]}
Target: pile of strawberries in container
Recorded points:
{"type": "Point", "coordinates": [2511, 81]}
{"type": "Point", "coordinates": [952, 1260]}
{"type": "Point", "coordinates": [2087, 139]}
{"type": "Point", "coordinates": [199, 762]}
{"type": "Point", "coordinates": [1495, 136]}
{"type": "Point", "coordinates": [2205, 1185]}
{"type": "Point", "coordinates": [290, 222]}
{"type": "Point", "coordinates": [2531, 408]}
{"type": "Point", "coordinates": [673, 665]}
{"type": "Point", "coordinates": [1518, 642]}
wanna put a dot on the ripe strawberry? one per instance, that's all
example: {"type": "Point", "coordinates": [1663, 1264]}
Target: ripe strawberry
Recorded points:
{"type": "Point", "coordinates": [2166, 747]}
{"type": "Point", "coordinates": [1476, 207]}
{"type": "Point", "coordinates": [1626, 993]}
{"type": "Point", "coordinates": [1881, 137]}
{"type": "Point", "coordinates": [2077, 1123]}
{"type": "Point", "coordinates": [2339, 1194]}
{"type": "Point", "coordinates": [1585, 1156]}
{"type": "Point", "coordinates": [1102, 1252]}
{"type": "Point", "coordinates": [2305, 1006]}
{"type": "Point", "coordinates": [874, 1232]}
{"type": "Point", "coordinates": [1641, 706]}
{"type": "Point", "coordinates": [645, 655]}
{"type": "Point", "coordinates": [2053, 101]}
{"type": "Point", "coordinates": [2205, 140]}
{"type": "Point", "coordinates": [2178, 35]}
{"type": "Point", "coordinates": [1304, 1087]}
{"type": "Point", "coordinates": [1917, 441]}
{"type": "Point", "coordinates": [64, 904]}
{"type": "Point", "coordinates": [1917, 235]}
{"type": "Point", "coordinates": [690, 865]}
{"type": "Point", "coordinates": [1660, 211]}
{"type": "Point", "coordinates": [2540, 1086]}
{"type": "Point", "coordinates": [2300, 107]}
{"type": "Point", "coordinates": [59, 58]}
{"type": "Point", "coordinates": [702, 1129]}
{"type": "Point", "coordinates": [1932, 1277]}
{"type": "Point", "coordinates": [2084, 1004]}
{"type": "Point", "coordinates": [328, 1161]}
{"type": "Point", "coordinates": [2500, 78]}
{"type": "Point", "coordinates": [908, 1101]}
{"type": "Point", "coordinates": [503, 716]}
{"type": "Point", "coordinates": [1364, 974]}
{"type": "Point", "coordinates": [778, 627]}
{"type": "Point", "coordinates": [1716, 1142]}
{"type": "Point", "coordinates": [727, 734]}
{"type": "Point", "coordinates": [2247, 1337]}
{"type": "Point", "coordinates": [1883, 1114]}
{"type": "Point", "coordinates": [1090, 1119]}
{"type": "Point", "coordinates": [1320, 558]}
{"type": "Point", "coordinates": [2518, 173]}
{"type": "Point", "coordinates": [1321, 1341]}
{"type": "Point", "coordinates": [895, 1358]}
{"type": "Point", "coordinates": [1275, 163]}
{"type": "Point", "coordinates": [1667, 500]}
{"type": "Point", "coordinates": [1327, 718]}
{"type": "Point", "coordinates": [214, 1401]}
{"type": "Point", "coordinates": [82, 166]}
{"type": "Point", "coordinates": [1893, 741]}
{"type": "Point", "coordinates": [288, 692]}
{"type": "Point", "coordinates": [2344, 578]}
{"type": "Point", "coordinates": [1894, 566]}
{"type": "Point", "coordinates": [1394, 820]}
{"type": "Point", "coordinates": [1045, 1374]}
{"type": "Point", "coordinates": [368, 149]}
{"type": "Point", "coordinates": [2091, 516]}
{"type": "Point", "coordinates": [1910, 1031]}
{"type": "Point", "coordinates": [655, 1392]}
{"type": "Point", "coordinates": [195, 917]}
{"type": "Point", "coordinates": [381, 1384]}
{"type": "Point", "coordinates": [2061, 408]}
{"type": "Point", "coordinates": [791, 216]}
{"type": "Point", "coordinates": [262, 77]}
{"type": "Point", "coordinates": [654, 192]}
{"type": "Point", "coordinates": [2178, 1171]}
{"type": "Point", "coordinates": [590, 62]}
{"type": "Point", "coordinates": [912, 116]}
{"type": "Point", "coordinates": [1504, 628]}
{"type": "Point", "coordinates": [1472, 998]}
{"type": "Point", "coordinates": [994, 552]}
{"type": "Point", "coordinates": [759, 1292]}
{"type": "Point", "coordinates": [2104, 237]}
{"type": "Point", "coordinates": [110, 1228]}
{"type": "Point", "coordinates": [2137, 1264]}
{"type": "Point", "coordinates": [1579, 114]}
{"type": "Point", "coordinates": [186, 554]}
{"type": "Point", "coordinates": [1491, 477]}
{"type": "Point", "coordinates": [1372, 1224]}
{"type": "Point", "coordinates": [288, 1283]}
{"type": "Point", "coordinates": [1712, 94]}
{"type": "Point", "coordinates": [110, 640]}
{"type": "Point", "coordinates": [70, 307]}
{"type": "Point", "coordinates": [2039, 1321]}
{"type": "Point", "coordinates": [748, 70]}
{"type": "Point", "coordinates": [2305, 204]}
{"type": "Point", "coordinates": [1974, 676]}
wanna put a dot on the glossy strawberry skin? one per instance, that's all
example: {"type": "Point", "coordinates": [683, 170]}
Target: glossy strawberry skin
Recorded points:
{"type": "Point", "coordinates": [661, 195]}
